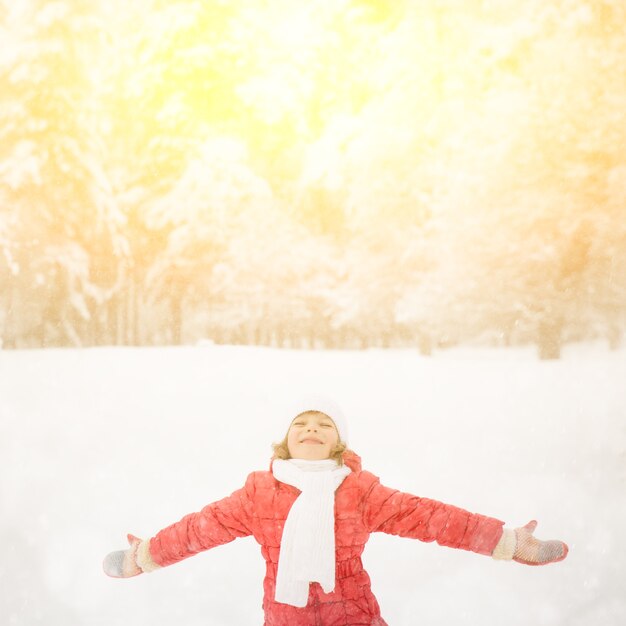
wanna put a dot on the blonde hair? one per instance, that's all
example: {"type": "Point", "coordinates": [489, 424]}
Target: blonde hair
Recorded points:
{"type": "Point", "coordinates": [281, 451]}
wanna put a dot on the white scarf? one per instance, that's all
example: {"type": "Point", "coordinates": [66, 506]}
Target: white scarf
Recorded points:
{"type": "Point", "coordinates": [307, 547]}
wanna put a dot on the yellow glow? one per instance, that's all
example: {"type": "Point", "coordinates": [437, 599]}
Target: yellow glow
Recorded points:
{"type": "Point", "coordinates": [447, 137]}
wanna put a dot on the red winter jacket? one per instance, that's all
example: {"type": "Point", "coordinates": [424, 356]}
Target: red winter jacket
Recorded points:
{"type": "Point", "coordinates": [362, 506]}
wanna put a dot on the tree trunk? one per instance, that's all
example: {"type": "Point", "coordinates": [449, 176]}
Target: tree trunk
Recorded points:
{"type": "Point", "coordinates": [549, 339]}
{"type": "Point", "coordinates": [615, 336]}
{"type": "Point", "coordinates": [131, 317]}
{"type": "Point", "coordinates": [135, 312]}
{"type": "Point", "coordinates": [10, 327]}
{"type": "Point", "coordinates": [176, 311]}
{"type": "Point", "coordinates": [111, 332]}
{"type": "Point", "coordinates": [425, 344]}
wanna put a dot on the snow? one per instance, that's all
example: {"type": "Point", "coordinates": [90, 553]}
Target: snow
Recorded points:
{"type": "Point", "coordinates": [95, 443]}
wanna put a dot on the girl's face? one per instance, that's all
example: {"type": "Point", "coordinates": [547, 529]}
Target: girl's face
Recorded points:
{"type": "Point", "coordinates": [312, 436]}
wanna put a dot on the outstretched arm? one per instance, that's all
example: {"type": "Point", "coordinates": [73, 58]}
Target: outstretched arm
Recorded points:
{"type": "Point", "coordinates": [216, 524]}
{"type": "Point", "coordinates": [392, 511]}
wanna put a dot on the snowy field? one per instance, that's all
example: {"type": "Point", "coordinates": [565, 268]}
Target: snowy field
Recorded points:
{"type": "Point", "coordinates": [96, 443]}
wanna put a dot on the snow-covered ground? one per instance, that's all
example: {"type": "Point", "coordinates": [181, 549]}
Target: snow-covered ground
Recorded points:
{"type": "Point", "coordinates": [96, 443]}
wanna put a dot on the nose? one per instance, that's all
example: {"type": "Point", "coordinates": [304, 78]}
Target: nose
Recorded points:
{"type": "Point", "coordinates": [310, 428]}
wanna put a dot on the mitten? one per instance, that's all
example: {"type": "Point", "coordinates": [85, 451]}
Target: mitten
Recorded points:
{"type": "Point", "coordinates": [531, 551]}
{"type": "Point", "coordinates": [123, 563]}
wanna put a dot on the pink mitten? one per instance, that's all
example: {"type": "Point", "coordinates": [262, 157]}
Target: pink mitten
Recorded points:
{"type": "Point", "coordinates": [531, 551]}
{"type": "Point", "coordinates": [123, 563]}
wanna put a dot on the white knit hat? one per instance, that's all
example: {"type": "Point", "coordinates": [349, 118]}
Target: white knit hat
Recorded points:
{"type": "Point", "coordinates": [323, 404]}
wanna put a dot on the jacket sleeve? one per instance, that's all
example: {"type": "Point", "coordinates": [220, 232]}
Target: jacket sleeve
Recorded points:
{"type": "Point", "coordinates": [390, 511]}
{"type": "Point", "coordinates": [216, 524]}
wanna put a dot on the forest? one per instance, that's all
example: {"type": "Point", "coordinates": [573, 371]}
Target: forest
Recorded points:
{"type": "Point", "coordinates": [345, 175]}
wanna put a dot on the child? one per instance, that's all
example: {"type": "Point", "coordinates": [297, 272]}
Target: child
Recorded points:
{"type": "Point", "coordinates": [312, 514]}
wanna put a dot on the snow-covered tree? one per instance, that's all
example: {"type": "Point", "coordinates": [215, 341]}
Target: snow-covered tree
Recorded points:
{"type": "Point", "coordinates": [49, 174]}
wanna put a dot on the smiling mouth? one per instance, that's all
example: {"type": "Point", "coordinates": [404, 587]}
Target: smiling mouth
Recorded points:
{"type": "Point", "coordinates": [310, 440]}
